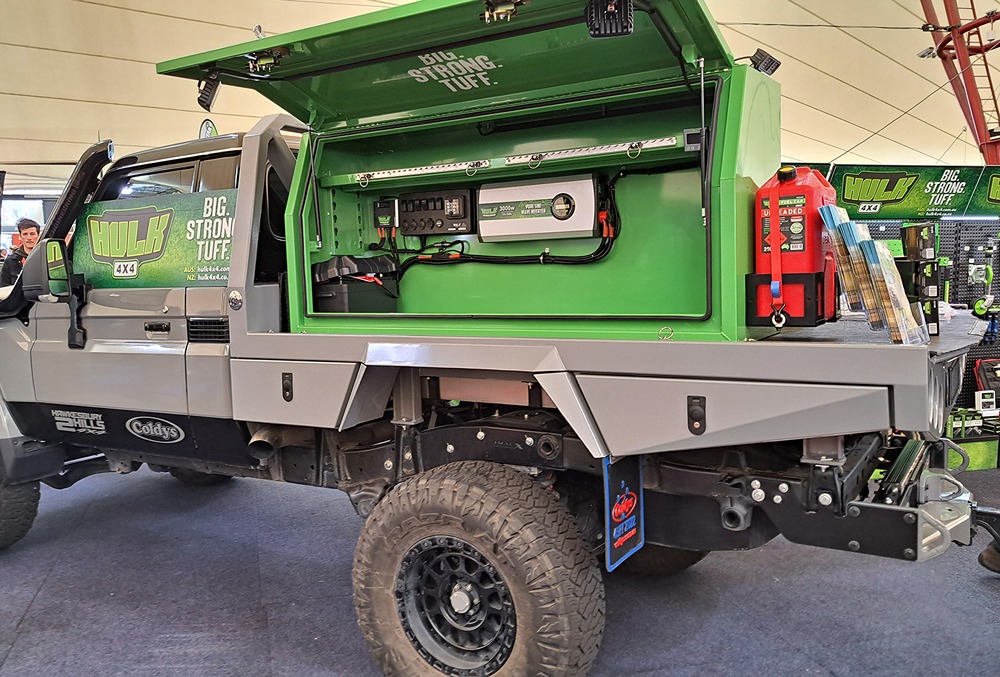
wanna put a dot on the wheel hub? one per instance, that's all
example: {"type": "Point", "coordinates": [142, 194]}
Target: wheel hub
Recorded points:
{"type": "Point", "coordinates": [455, 607]}
{"type": "Point", "coordinates": [463, 598]}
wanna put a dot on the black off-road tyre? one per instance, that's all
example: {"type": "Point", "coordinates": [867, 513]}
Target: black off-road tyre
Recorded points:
{"type": "Point", "coordinates": [660, 560]}
{"type": "Point", "coordinates": [18, 507]}
{"type": "Point", "coordinates": [474, 569]}
{"type": "Point", "coordinates": [199, 479]}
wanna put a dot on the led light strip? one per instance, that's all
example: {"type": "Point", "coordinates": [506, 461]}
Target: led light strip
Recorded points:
{"type": "Point", "coordinates": [469, 168]}
{"type": "Point", "coordinates": [632, 149]}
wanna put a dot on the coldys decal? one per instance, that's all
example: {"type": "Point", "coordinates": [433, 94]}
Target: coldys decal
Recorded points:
{"type": "Point", "coordinates": [153, 429]}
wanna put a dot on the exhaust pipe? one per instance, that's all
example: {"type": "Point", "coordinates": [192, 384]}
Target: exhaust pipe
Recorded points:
{"type": "Point", "coordinates": [268, 439]}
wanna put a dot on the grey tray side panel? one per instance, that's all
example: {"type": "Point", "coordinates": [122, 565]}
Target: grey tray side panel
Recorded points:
{"type": "Point", "coordinates": [319, 391]}
{"type": "Point", "coordinates": [900, 369]}
{"type": "Point", "coordinates": [648, 415]}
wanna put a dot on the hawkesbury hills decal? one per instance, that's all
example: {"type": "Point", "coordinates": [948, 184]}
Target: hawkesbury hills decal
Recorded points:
{"type": "Point", "coordinates": [160, 241]}
{"type": "Point", "coordinates": [457, 72]}
{"type": "Point", "coordinates": [79, 422]}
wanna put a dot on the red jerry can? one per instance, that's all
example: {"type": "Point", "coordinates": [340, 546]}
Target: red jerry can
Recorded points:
{"type": "Point", "coordinates": [797, 256]}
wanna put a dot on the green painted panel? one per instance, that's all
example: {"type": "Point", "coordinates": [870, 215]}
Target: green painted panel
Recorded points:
{"type": "Point", "coordinates": [657, 265]}
{"type": "Point", "coordinates": [160, 241]}
{"type": "Point", "coordinates": [359, 72]}
{"type": "Point", "coordinates": [467, 141]}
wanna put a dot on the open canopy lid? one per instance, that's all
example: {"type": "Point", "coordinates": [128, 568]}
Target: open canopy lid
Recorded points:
{"type": "Point", "coordinates": [440, 58]}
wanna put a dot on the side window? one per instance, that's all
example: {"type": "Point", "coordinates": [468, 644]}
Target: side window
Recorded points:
{"type": "Point", "coordinates": [220, 173]}
{"type": "Point", "coordinates": [164, 226]}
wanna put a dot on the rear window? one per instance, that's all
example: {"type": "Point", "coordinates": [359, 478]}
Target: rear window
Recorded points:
{"type": "Point", "coordinates": [175, 181]}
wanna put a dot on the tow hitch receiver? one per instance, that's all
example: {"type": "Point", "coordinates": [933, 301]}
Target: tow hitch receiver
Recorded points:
{"type": "Point", "coordinates": [916, 512]}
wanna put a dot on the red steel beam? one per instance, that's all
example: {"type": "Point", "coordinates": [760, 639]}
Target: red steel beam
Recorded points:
{"type": "Point", "coordinates": [951, 48]}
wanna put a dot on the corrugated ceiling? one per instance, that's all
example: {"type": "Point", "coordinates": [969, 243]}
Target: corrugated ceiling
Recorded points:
{"type": "Point", "coordinates": [76, 71]}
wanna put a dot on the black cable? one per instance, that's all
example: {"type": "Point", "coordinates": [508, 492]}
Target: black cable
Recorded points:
{"type": "Point", "coordinates": [952, 144]}
{"type": "Point", "coordinates": [926, 28]}
{"type": "Point", "coordinates": [906, 112]}
{"type": "Point", "coordinates": [663, 28]}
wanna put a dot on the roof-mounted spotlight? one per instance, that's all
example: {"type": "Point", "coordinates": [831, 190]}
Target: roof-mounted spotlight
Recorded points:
{"type": "Point", "coordinates": [610, 18]}
{"type": "Point", "coordinates": [764, 62]}
{"type": "Point", "coordinates": [208, 89]}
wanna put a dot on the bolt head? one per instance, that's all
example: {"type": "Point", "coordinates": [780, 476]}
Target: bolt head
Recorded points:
{"type": "Point", "coordinates": [910, 554]}
{"type": "Point", "coordinates": [408, 456]}
{"type": "Point", "coordinates": [909, 518]}
{"type": "Point", "coordinates": [480, 435]}
{"type": "Point", "coordinates": [758, 495]}
{"type": "Point", "coordinates": [783, 488]}
{"type": "Point", "coordinates": [854, 546]}
{"type": "Point", "coordinates": [450, 448]}
{"type": "Point", "coordinates": [777, 498]}
{"type": "Point", "coordinates": [854, 511]}
{"type": "Point", "coordinates": [529, 441]}
{"type": "Point", "coordinates": [387, 465]}
{"type": "Point", "coordinates": [755, 484]}
{"type": "Point", "coordinates": [825, 499]}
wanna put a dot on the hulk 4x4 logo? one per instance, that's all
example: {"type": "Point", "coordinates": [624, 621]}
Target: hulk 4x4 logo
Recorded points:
{"type": "Point", "coordinates": [126, 238]}
{"type": "Point", "coordinates": [871, 190]}
{"type": "Point", "coordinates": [994, 189]}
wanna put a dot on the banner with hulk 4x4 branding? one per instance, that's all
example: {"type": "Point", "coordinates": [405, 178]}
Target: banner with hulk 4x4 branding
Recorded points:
{"type": "Point", "coordinates": [877, 192]}
{"type": "Point", "coordinates": [160, 241]}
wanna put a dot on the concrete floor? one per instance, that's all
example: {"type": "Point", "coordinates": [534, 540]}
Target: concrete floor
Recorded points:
{"type": "Point", "coordinates": [143, 576]}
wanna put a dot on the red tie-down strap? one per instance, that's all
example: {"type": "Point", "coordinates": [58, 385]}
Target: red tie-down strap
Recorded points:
{"type": "Point", "coordinates": [775, 239]}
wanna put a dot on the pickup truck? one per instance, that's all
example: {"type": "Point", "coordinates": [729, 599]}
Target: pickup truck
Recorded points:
{"type": "Point", "coordinates": [489, 281]}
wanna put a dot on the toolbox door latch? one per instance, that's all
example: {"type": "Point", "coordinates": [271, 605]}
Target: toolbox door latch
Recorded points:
{"type": "Point", "coordinates": [696, 405]}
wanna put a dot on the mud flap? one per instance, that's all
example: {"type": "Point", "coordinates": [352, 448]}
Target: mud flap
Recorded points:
{"type": "Point", "coordinates": [25, 460]}
{"type": "Point", "coordinates": [624, 531]}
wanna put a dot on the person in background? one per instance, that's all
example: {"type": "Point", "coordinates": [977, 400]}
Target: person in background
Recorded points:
{"type": "Point", "coordinates": [12, 265]}
{"type": "Point", "coordinates": [3, 254]}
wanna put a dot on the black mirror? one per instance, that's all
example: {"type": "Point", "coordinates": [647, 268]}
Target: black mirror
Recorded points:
{"type": "Point", "coordinates": [46, 273]}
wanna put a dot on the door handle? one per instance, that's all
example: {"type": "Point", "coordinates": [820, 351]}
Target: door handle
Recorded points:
{"type": "Point", "coordinates": [157, 326]}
